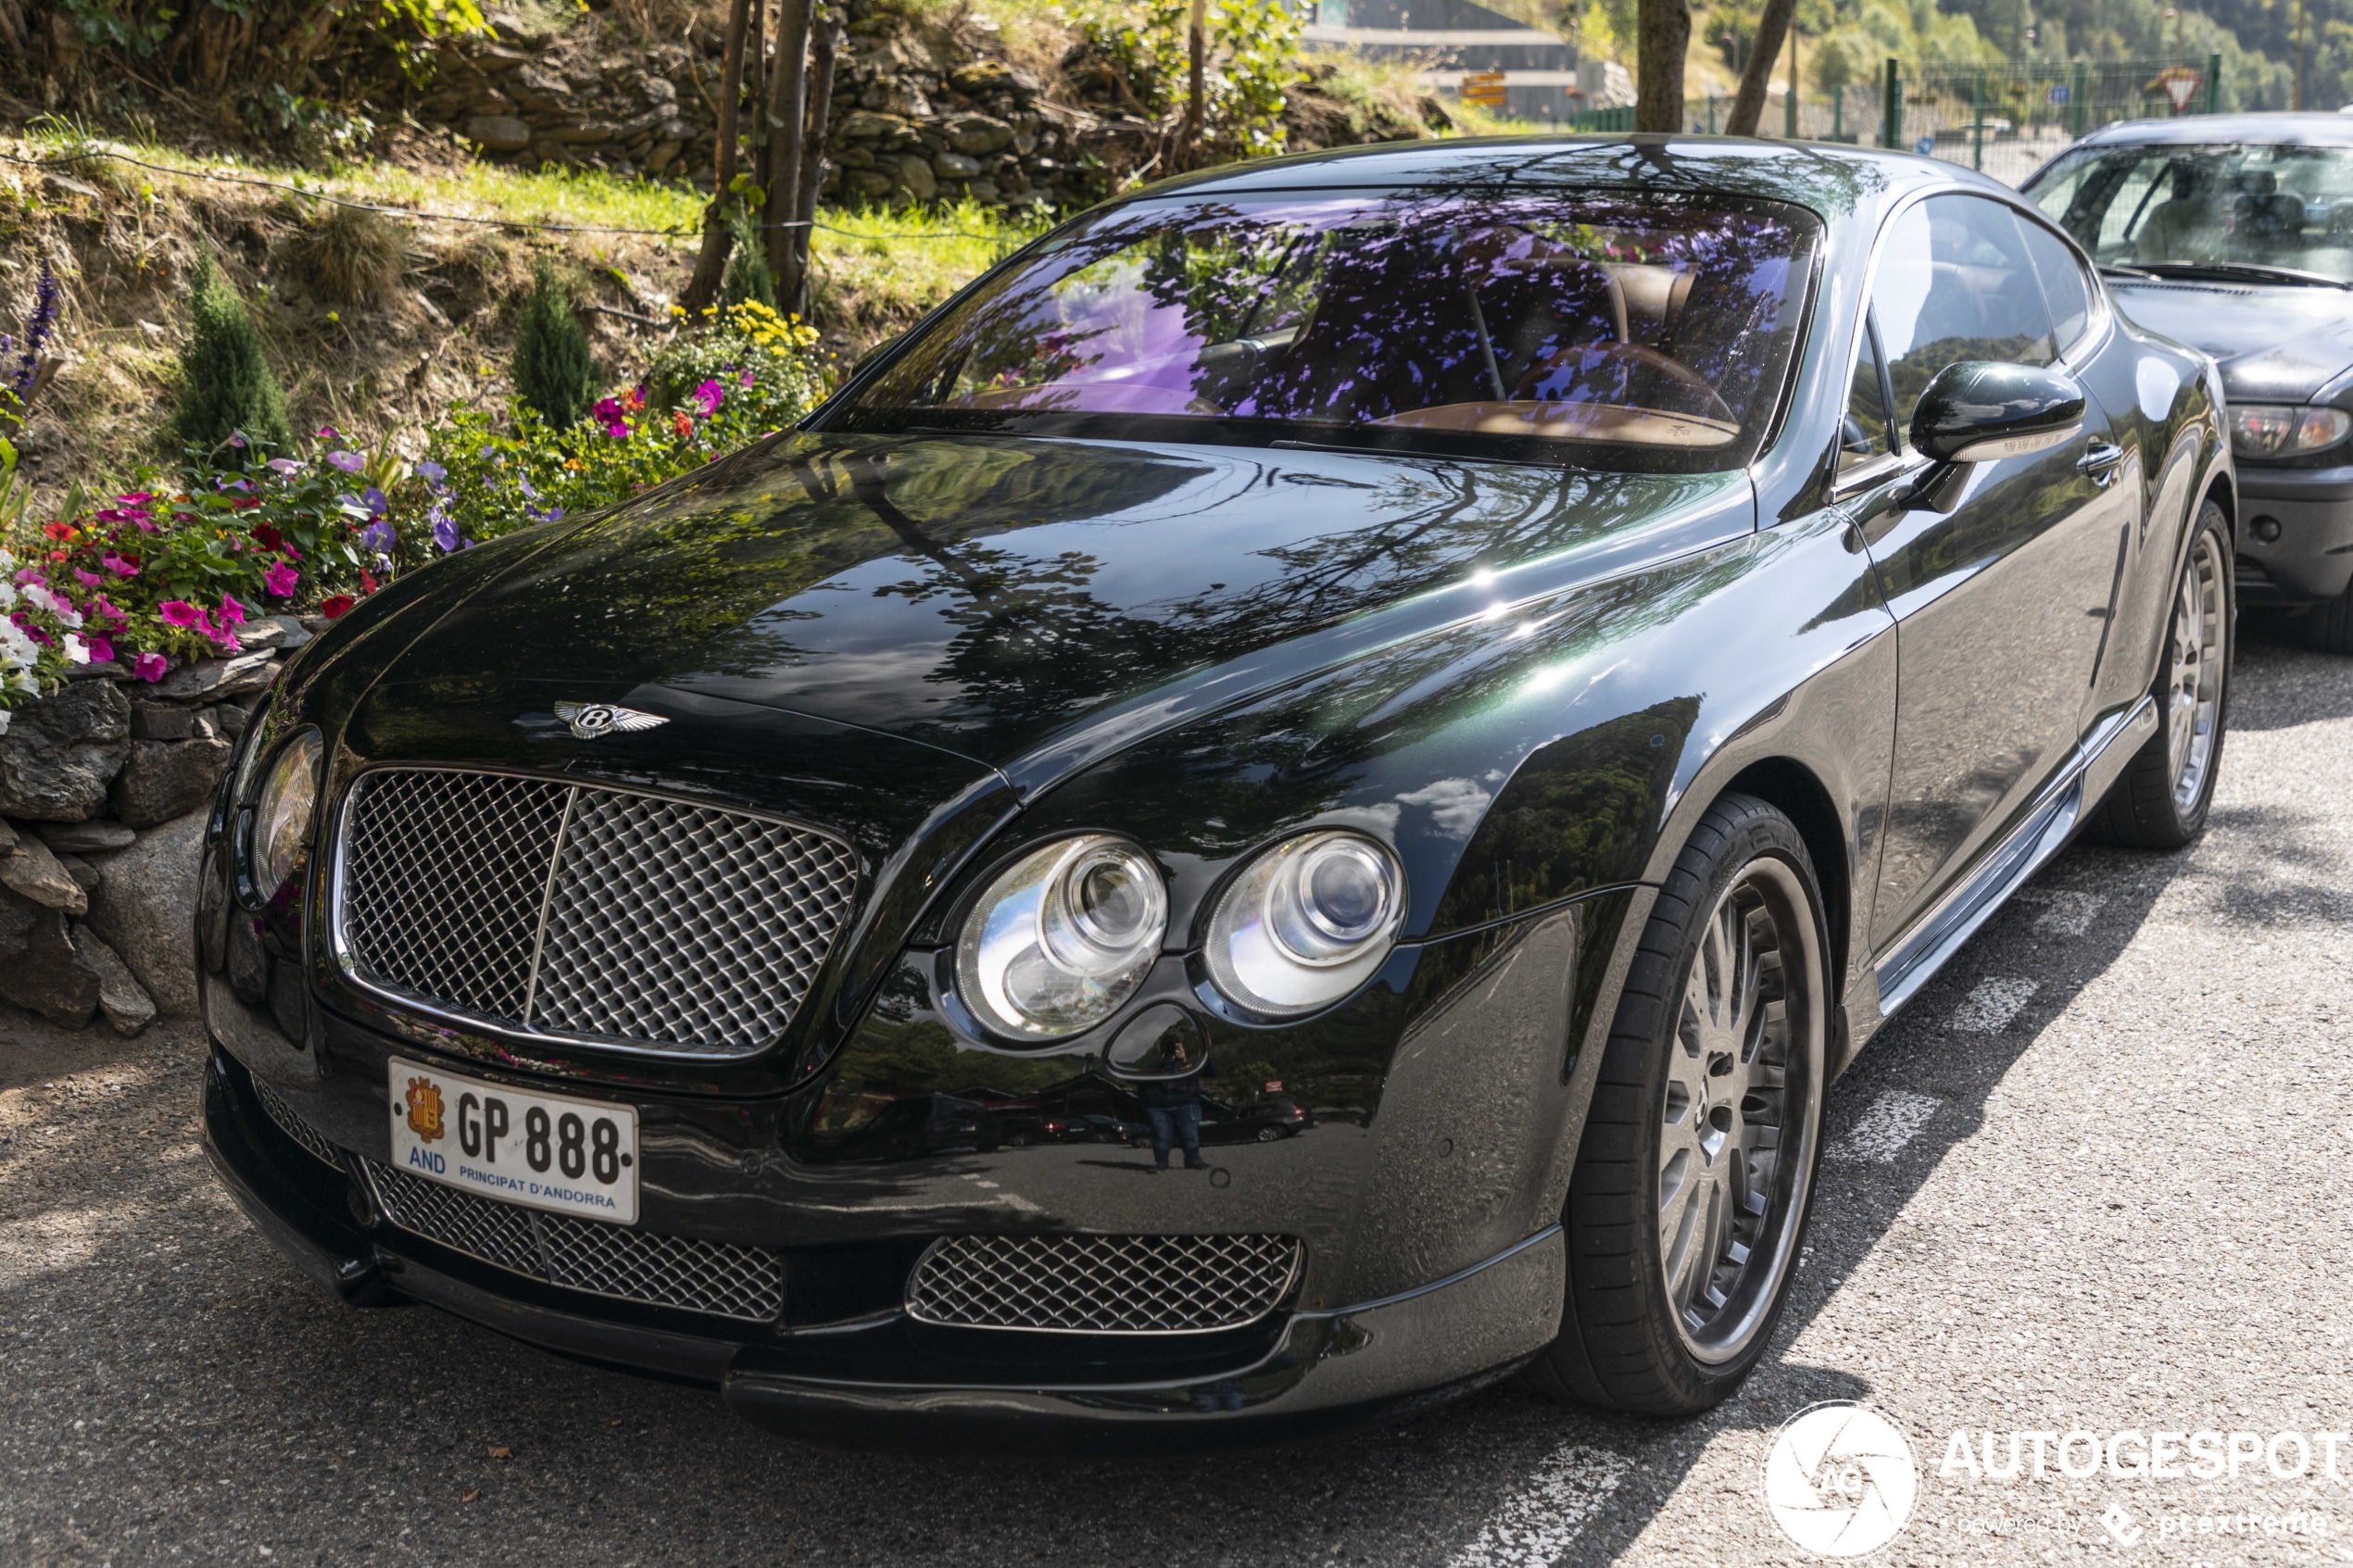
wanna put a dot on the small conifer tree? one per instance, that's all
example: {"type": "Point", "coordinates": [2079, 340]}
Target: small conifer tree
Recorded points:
{"type": "Point", "coordinates": [554, 374]}
{"type": "Point", "coordinates": [748, 274]}
{"type": "Point", "coordinates": [225, 383]}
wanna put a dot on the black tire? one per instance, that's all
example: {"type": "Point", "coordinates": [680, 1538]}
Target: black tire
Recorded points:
{"type": "Point", "coordinates": [1624, 1342]}
{"type": "Point", "coordinates": [2329, 626]}
{"type": "Point", "coordinates": [2157, 803]}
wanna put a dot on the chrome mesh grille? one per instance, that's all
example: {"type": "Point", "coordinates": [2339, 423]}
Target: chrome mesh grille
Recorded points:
{"type": "Point", "coordinates": [717, 1277]}
{"type": "Point", "coordinates": [576, 911]}
{"type": "Point", "coordinates": [291, 1124]}
{"type": "Point", "coordinates": [1102, 1284]}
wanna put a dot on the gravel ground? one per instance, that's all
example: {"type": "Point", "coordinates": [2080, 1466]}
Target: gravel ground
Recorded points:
{"type": "Point", "coordinates": [2082, 1185]}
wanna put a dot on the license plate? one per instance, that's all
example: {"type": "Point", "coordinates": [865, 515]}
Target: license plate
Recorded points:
{"type": "Point", "coordinates": [571, 1156]}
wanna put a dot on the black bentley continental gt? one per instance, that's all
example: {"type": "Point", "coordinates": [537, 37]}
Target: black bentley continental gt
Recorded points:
{"type": "Point", "coordinates": [1504, 662]}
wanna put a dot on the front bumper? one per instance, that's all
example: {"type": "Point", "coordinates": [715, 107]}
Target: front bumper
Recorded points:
{"type": "Point", "coordinates": [2312, 557]}
{"type": "Point", "coordinates": [878, 1378]}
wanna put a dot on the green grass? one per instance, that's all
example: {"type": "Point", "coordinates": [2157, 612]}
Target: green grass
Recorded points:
{"type": "Point", "coordinates": [889, 265]}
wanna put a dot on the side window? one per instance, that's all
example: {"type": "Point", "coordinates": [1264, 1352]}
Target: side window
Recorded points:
{"type": "Point", "coordinates": [1954, 283]}
{"type": "Point", "coordinates": [2064, 290]}
{"type": "Point", "coordinates": [1864, 437]}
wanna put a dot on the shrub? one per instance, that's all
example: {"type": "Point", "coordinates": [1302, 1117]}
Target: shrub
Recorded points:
{"type": "Point", "coordinates": [555, 378]}
{"type": "Point", "coordinates": [226, 388]}
{"type": "Point", "coordinates": [746, 373]}
{"type": "Point", "coordinates": [749, 280]}
{"type": "Point", "coordinates": [351, 255]}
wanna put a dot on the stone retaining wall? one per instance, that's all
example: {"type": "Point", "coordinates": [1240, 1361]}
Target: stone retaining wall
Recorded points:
{"type": "Point", "coordinates": [103, 792]}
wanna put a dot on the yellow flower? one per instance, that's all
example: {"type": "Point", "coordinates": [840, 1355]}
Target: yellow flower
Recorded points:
{"type": "Point", "coordinates": [678, 310]}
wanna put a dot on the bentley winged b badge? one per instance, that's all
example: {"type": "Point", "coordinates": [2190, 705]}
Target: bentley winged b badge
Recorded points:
{"type": "Point", "coordinates": [591, 720]}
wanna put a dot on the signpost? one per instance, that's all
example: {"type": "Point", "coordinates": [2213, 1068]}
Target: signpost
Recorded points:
{"type": "Point", "coordinates": [2180, 84]}
{"type": "Point", "coordinates": [1484, 88]}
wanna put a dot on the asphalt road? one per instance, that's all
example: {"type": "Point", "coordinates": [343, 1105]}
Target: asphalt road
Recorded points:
{"type": "Point", "coordinates": [2095, 1179]}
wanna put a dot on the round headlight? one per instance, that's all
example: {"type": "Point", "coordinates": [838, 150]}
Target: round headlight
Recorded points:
{"type": "Point", "coordinates": [1063, 938]}
{"type": "Point", "coordinates": [1308, 923]}
{"type": "Point", "coordinates": [282, 823]}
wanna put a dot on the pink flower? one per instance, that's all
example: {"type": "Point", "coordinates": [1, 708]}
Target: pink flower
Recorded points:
{"type": "Point", "coordinates": [88, 579]}
{"type": "Point", "coordinates": [280, 580]}
{"type": "Point", "coordinates": [101, 646]}
{"type": "Point", "coordinates": [608, 413]}
{"type": "Point", "coordinates": [120, 566]}
{"type": "Point", "coordinates": [746, 379]}
{"type": "Point", "coordinates": [708, 396]}
{"type": "Point", "coordinates": [100, 605]}
{"type": "Point", "coordinates": [180, 612]}
{"type": "Point", "coordinates": [231, 612]}
{"type": "Point", "coordinates": [150, 666]}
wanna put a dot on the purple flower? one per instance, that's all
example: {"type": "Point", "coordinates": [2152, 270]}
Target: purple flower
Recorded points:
{"type": "Point", "coordinates": [327, 433]}
{"type": "Point", "coordinates": [38, 326]}
{"type": "Point", "coordinates": [708, 396]}
{"type": "Point", "coordinates": [377, 537]}
{"type": "Point", "coordinates": [237, 439]}
{"type": "Point", "coordinates": [430, 472]}
{"type": "Point", "coordinates": [283, 466]}
{"type": "Point", "coordinates": [746, 378]}
{"type": "Point", "coordinates": [374, 500]}
{"type": "Point", "coordinates": [444, 528]}
{"type": "Point", "coordinates": [524, 480]}
{"type": "Point", "coordinates": [349, 462]}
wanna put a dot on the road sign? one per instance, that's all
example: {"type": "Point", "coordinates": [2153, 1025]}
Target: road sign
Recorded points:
{"type": "Point", "coordinates": [2179, 83]}
{"type": "Point", "coordinates": [2058, 94]}
{"type": "Point", "coordinates": [1485, 87]}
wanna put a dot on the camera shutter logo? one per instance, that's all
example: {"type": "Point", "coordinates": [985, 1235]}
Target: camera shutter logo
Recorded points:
{"type": "Point", "coordinates": [1841, 1480]}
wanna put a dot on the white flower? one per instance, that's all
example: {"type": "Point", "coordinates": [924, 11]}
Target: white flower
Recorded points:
{"type": "Point", "coordinates": [41, 598]}
{"type": "Point", "coordinates": [7, 594]}
{"type": "Point", "coordinates": [23, 680]}
{"type": "Point", "coordinates": [4, 720]}
{"type": "Point", "coordinates": [77, 651]}
{"type": "Point", "coordinates": [17, 650]}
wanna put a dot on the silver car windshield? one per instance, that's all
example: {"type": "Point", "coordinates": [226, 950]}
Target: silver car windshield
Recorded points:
{"type": "Point", "coordinates": [2246, 205]}
{"type": "Point", "coordinates": [1621, 330]}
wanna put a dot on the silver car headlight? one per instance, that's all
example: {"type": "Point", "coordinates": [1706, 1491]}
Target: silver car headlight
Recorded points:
{"type": "Point", "coordinates": [1062, 938]}
{"type": "Point", "coordinates": [282, 818]}
{"type": "Point", "coordinates": [1307, 922]}
{"type": "Point", "coordinates": [2271, 430]}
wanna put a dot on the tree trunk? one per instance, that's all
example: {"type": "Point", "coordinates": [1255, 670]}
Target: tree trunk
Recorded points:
{"type": "Point", "coordinates": [1662, 32]}
{"type": "Point", "coordinates": [1772, 27]}
{"type": "Point", "coordinates": [825, 46]}
{"type": "Point", "coordinates": [1196, 110]}
{"type": "Point", "coordinates": [787, 108]}
{"type": "Point", "coordinates": [711, 266]}
{"type": "Point", "coordinates": [756, 85]}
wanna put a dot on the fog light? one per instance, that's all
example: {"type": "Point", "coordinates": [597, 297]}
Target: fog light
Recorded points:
{"type": "Point", "coordinates": [2266, 529]}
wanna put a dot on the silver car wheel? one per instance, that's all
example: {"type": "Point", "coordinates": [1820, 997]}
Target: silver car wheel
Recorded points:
{"type": "Point", "coordinates": [1739, 1113]}
{"type": "Point", "coordinates": [2194, 686]}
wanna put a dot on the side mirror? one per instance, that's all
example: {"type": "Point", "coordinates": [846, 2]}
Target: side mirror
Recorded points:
{"type": "Point", "coordinates": [1980, 411]}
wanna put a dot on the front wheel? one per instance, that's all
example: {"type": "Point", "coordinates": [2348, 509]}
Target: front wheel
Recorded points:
{"type": "Point", "coordinates": [1696, 1170]}
{"type": "Point", "coordinates": [2160, 800]}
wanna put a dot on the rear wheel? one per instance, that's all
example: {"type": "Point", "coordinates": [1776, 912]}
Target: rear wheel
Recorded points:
{"type": "Point", "coordinates": [2160, 800]}
{"type": "Point", "coordinates": [1696, 1170]}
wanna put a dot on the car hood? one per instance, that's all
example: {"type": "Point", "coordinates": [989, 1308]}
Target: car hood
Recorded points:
{"type": "Point", "coordinates": [1033, 604]}
{"type": "Point", "coordinates": [2274, 344]}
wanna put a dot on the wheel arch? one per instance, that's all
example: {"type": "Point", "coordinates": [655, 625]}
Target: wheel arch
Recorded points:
{"type": "Point", "coordinates": [1794, 790]}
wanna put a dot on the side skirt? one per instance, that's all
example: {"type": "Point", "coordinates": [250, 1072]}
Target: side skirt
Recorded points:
{"type": "Point", "coordinates": [2043, 831]}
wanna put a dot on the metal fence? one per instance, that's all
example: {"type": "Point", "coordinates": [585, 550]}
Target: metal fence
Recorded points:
{"type": "Point", "coordinates": [2006, 122]}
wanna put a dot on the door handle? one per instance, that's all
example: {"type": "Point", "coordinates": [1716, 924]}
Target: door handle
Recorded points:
{"type": "Point", "coordinates": [2100, 461]}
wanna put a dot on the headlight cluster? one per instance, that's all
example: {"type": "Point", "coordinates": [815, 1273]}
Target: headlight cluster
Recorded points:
{"type": "Point", "coordinates": [1064, 935]}
{"type": "Point", "coordinates": [2270, 430]}
{"type": "Point", "coordinates": [282, 816]}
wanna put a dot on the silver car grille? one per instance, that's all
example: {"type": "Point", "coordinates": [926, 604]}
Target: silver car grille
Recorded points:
{"type": "Point", "coordinates": [291, 1124]}
{"type": "Point", "coordinates": [1102, 1284]}
{"type": "Point", "coordinates": [717, 1277]}
{"type": "Point", "coordinates": [579, 912]}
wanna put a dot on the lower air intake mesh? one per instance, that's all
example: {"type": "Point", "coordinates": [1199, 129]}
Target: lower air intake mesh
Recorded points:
{"type": "Point", "coordinates": [1102, 1284]}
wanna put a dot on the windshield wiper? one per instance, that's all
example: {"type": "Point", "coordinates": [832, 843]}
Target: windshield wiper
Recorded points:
{"type": "Point", "coordinates": [2253, 270]}
{"type": "Point", "coordinates": [2118, 269]}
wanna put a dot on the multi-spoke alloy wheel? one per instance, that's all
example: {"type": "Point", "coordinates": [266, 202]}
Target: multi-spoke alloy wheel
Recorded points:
{"type": "Point", "coordinates": [2161, 799]}
{"type": "Point", "coordinates": [1696, 1168]}
{"type": "Point", "coordinates": [2194, 686]}
{"type": "Point", "coordinates": [1735, 1128]}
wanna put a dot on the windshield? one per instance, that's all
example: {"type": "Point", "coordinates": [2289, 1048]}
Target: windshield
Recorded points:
{"type": "Point", "coordinates": [2246, 205]}
{"type": "Point", "coordinates": [1635, 331]}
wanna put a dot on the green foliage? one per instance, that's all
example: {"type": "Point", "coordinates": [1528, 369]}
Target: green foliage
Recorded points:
{"type": "Point", "coordinates": [554, 375]}
{"type": "Point", "coordinates": [226, 386]}
{"type": "Point", "coordinates": [748, 278]}
{"type": "Point", "coordinates": [748, 372]}
{"type": "Point", "coordinates": [1252, 63]}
